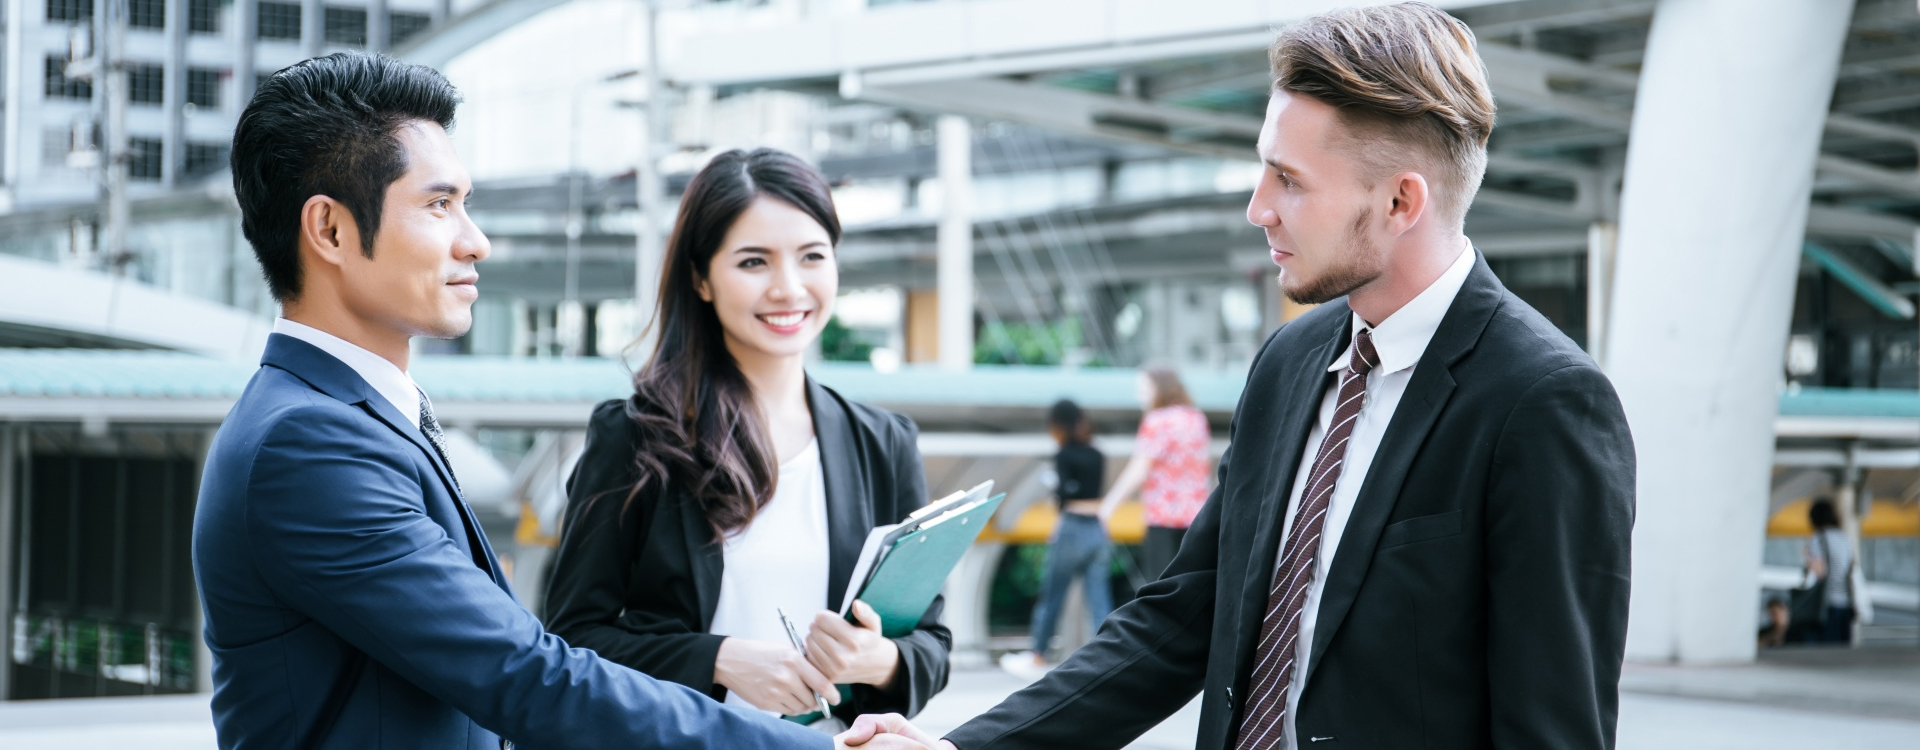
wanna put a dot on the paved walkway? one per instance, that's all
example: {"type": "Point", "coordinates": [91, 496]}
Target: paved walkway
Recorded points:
{"type": "Point", "coordinates": [1866, 699]}
{"type": "Point", "coordinates": [1865, 681]}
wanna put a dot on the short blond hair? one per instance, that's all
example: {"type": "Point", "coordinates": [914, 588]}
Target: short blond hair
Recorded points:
{"type": "Point", "coordinates": [1407, 73]}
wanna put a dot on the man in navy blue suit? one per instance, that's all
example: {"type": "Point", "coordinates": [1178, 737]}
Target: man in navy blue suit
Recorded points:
{"type": "Point", "coordinates": [351, 598]}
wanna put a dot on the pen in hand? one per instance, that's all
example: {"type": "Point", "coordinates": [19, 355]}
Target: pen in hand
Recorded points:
{"type": "Point", "coordinates": [798, 645]}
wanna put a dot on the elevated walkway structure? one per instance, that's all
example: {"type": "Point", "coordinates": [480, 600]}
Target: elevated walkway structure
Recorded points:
{"type": "Point", "coordinates": [977, 425]}
{"type": "Point", "coordinates": [447, 40]}
{"type": "Point", "coordinates": [968, 410]}
{"type": "Point", "coordinates": [1192, 76]}
{"type": "Point", "coordinates": [42, 304]}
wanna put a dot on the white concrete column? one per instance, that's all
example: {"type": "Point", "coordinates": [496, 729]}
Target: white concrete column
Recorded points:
{"type": "Point", "coordinates": [9, 458]}
{"type": "Point", "coordinates": [955, 239]}
{"type": "Point", "coordinates": [1719, 169]}
{"type": "Point", "coordinates": [1602, 239]}
{"type": "Point", "coordinates": [19, 70]}
{"type": "Point", "coordinates": [173, 145]}
{"type": "Point", "coordinates": [313, 27]}
{"type": "Point", "coordinates": [379, 31]}
{"type": "Point", "coordinates": [246, 31]}
{"type": "Point", "coordinates": [650, 200]}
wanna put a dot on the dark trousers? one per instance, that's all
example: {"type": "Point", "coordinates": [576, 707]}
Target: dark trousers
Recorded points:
{"type": "Point", "coordinates": [1157, 551]}
{"type": "Point", "coordinates": [1839, 625]}
{"type": "Point", "coordinates": [1079, 549]}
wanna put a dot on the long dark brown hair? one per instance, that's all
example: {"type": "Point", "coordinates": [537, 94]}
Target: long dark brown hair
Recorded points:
{"type": "Point", "coordinates": [699, 425]}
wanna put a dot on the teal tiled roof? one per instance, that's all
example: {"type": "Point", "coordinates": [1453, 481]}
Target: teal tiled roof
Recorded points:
{"type": "Point", "coordinates": [97, 373]}
{"type": "Point", "coordinates": [1850, 402]}
{"type": "Point", "coordinates": [73, 373]}
{"type": "Point", "coordinates": [86, 373]}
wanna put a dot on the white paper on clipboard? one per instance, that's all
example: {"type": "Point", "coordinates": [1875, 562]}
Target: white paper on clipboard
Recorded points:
{"type": "Point", "coordinates": [872, 550]}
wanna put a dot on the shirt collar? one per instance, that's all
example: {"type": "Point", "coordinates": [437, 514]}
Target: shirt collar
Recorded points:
{"type": "Point", "coordinates": [391, 382]}
{"type": "Point", "coordinates": [1402, 338]}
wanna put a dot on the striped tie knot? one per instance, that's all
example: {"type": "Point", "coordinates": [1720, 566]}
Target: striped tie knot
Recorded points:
{"type": "Point", "coordinates": [1364, 358]}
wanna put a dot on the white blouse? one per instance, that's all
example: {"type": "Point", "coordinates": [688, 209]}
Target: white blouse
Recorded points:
{"type": "Point", "coordinates": [779, 562]}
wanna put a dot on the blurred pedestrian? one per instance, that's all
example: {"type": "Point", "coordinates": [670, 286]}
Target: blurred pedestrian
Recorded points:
{"type": "Point", "coordinates": [1774, 632]}
{"type": "Point", "coordinates": [1830, 561]}
{"type": "Point", "coordinates": [1168, 469]}
{"type": "Point", "coordinates": [1078, 547]}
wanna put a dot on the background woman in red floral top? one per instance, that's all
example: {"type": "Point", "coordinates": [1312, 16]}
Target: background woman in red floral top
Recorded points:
{"type": "Point", "coordinates": [1170, 467]}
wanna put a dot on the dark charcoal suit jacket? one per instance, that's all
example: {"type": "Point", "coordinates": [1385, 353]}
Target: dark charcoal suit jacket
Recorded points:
{"type": "Point", "coordinates": [1478, 598]}
{"type": "Point", "coordinates": [639, 583]}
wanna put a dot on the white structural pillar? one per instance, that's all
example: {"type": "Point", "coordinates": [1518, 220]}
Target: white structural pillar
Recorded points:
{"type": "Point", "coordinates": [1602, 239]}
{"type": "Point", "coordinates": [16, 70]}
{"type": "Point", "coordinates": [955, 239]}
{"type": "Point", "coordinates": [246, 31]}
{"type": "Point", "coordinates": [650, 254]}
{"type": "Point", "coordinates": [313, 27]}
{"type": "Point", "coordinates": [1720, 165]}
{"type": "Point", "coordinates": [9, 583]}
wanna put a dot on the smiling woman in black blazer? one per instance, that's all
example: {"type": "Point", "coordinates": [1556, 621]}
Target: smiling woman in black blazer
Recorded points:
{"type": "Point", "coordinates": [731, 485]}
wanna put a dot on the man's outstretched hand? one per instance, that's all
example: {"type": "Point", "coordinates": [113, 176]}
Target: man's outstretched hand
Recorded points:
{"type": "Point", "coordinates": [888, 732]}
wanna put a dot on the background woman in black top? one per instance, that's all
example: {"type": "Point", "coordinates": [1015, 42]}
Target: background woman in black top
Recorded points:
{"type": "Point", "coordinates": [1079, 547]}
{"type": "Point", "coordinates": [731, 485]}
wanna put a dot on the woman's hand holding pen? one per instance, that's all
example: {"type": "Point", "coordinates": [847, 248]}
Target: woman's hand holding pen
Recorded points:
{"type": "Point", "coordinates": [772, 676]}
{"type": "Point", "coordinates": [853, 654]}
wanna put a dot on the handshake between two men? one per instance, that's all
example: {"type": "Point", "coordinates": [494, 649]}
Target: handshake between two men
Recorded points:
{"type": "Point", "coordinates": [888, 732]}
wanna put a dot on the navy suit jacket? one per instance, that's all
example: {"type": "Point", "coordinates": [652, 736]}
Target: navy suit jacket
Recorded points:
{"type": "Point", "coordinates": [351, 599]}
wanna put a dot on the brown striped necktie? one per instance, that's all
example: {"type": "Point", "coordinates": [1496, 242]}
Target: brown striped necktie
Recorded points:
{"type": "Point", "coordinates": [1263, 722]}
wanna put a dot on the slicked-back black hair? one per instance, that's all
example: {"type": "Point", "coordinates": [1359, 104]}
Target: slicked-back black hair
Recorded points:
{"type": "Point", "coordinates": [327, 126]}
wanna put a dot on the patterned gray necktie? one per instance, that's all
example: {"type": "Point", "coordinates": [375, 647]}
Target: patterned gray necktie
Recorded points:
{"type": "Point", "coordinates": [431, 428]}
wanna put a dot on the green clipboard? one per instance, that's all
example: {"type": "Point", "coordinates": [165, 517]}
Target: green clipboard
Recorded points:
{"type": "Point", "coordinates": [911, 563]}
{"type": "Point", "coordinates": [910, 573]}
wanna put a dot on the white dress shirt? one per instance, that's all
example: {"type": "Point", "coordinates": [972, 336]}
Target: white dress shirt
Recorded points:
{"type": "Point", "coordinates": [779, 563]}
{"type": "Point", "coordinates": [387, 379]}
{"type": "Point", "coordinates": [1400, 340]}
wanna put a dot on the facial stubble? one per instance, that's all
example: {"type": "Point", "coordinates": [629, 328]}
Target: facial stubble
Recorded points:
{"type": "Point", "coordinates": [1358, 266]}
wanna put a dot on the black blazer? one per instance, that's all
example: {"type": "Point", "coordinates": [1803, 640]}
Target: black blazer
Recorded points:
{"type": "Point", "coordinates": [1478, 597]}
{"type": "Point", "coordinates": [639, 587]}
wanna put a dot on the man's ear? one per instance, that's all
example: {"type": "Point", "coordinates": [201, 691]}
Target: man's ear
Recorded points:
{"type": "Point", "coordinates": [1409, 202]}
{"type": "Point", "coordinates": [328, 227]}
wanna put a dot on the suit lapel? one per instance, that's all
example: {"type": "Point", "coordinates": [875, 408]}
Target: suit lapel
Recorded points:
{"type": "Point", "coordinates": [706, 554]}
{"type": "Point", "coordinates": [1420, 407]}
{"type": "Point", "coordinates": [1302, 382]}
{"type": "Point", "coordinates": [331, 376]}
{"type": "Point", "coordinates": [384, 411]}
{"type": "Point", "coordinates": [849, 508]}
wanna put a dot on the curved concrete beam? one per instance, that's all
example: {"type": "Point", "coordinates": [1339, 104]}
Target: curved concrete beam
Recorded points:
{"type": "Point", "coordinates": [442, 43]}
{"type": "Point", "coordinates": [43, 295]}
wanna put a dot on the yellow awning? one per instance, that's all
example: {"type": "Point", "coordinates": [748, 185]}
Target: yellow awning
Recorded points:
{"type": "Point", "coordinates": [1884, 518]}
{"type": "Point", "coordinates": [1129, 525]}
